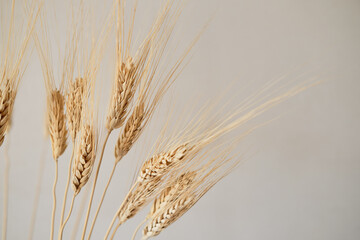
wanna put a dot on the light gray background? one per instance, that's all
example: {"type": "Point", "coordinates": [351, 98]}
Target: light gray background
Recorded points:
{"type": "Point", "coordinates": [302, 180]}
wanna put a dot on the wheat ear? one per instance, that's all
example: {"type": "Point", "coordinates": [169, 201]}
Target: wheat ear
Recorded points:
{"type": "Point", "coordinates": [58, 135]}
{"type": "Point", "coordinates": [74, 106]}
{"type": "Point", "coordinates": [160, 164]}
{"type": "Point", "coordinates": [57, 123]}
{"type": "Point", "coordinates": [123, 92]}
{"type": "Point", "coordinates": [138, 196]}
{"type": "Point", "coordinates": [7, 97]}
{"type": "Point", "coordinates": [168, 216]}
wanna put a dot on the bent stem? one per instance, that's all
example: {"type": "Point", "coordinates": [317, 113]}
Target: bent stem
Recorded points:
{"type": "Point", "coordinates": [94, 185]}
{"type": "Point", "coordinates": [110, 227]}
{"type": "Point", "coordinates": [80, 214]}
{"type": "Point", "coordinates": [67, 218]}
{"type": "Point", "coordinates": [67, 186]}
{"type": "Point", "coordinates": [37, 192]}
{"type": "Point", "coordinates": [137, 229]}
{"type": "Point", "coordinates": [115, 230]}
{"type": "Point", "coordinates": [6, 190]}
{"type": "Point", "coordinates": [118, 212]}
{"type": "Point", "coordinates": [54, 200]}
{"type": "Point", "coordinates": [101, 201]}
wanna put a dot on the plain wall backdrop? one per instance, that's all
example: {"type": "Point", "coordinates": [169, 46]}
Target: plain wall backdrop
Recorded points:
{"type": "Point", "coordinates": [302, 180]}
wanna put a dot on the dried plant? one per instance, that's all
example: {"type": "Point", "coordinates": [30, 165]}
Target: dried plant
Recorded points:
{"type": "Point", "coordinates": [84, 161]}
{"type": "Point", "coordinates": [7, 97]}
{"type": "Point", "coordinates": [56, 123]}
{"type": "Point", "coordinates": [123, 92]}
{"type": "Point", "coordinates": [74, 103]}
{"type": "Point", "coordinates": [186, 161]}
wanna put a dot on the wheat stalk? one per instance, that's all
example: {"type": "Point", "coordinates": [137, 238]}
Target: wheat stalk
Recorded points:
{"type": "Point", "coordinates": [83, 166]}
{"type": "Point", "coordinates": [58, 136]}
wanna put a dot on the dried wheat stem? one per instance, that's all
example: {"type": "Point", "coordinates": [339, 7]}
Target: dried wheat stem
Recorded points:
{"type": "Point", "coordinates": [67, 185]}
{"type": "Point", "coordinates": [110, 227]}
{"type": "Point", "coordinates": [61, 230]}
{"type": "Point", "coordinates": [137, 229]}
{"type": "Point", "coordinates": [80, 214]}
{"type": "Point", "coordinates": [37, 192]}
{"type": "Point", "coordinates": [101, 201]}
{"type": "Point", "coordinates": [6, 190]}
{"type": "Point", "coordinates": [54, 200]}
{"type": "Point", "coordinates": [94, 185]}
{"type": "Point", "coordinates": [115, 230]}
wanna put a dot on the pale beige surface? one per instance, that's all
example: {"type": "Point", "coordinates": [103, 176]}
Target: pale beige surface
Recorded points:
{"type": "Point", "coordinates": [302, 181]}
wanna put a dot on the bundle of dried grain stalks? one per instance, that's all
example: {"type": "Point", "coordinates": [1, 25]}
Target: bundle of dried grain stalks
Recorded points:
{"type": "Point", "coordinates": [185, 163]}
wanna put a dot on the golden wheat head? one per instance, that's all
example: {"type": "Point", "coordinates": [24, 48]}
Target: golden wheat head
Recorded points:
{"type": "Point", "coordinates": [84, 161]}
{"type": "Point", "coordinates": [56, 123]}
{"type": "Point", "coordinates": [7, 97]}
{"type": "Point", "coordinates": [74, 103]}
{"type": "Point", "coordinates": [123, 92]}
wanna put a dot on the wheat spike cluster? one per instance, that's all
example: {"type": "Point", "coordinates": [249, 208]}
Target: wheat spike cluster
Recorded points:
{"type": "Point", "coordinates": [192, 150]}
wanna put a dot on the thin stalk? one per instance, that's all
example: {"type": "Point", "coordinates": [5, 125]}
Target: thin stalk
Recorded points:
{"type": "Point", "coordinates": [94, 185]}
{"type": "Point", "coordinates": [118, 212]}
{"type": "Point", "coordinates": [6, 190]}
{"type": "Point", "coordinates": [80, 213]}
{"type": "Point", "coordinates": [110, 227]}
{"type": "Point", "coordinates": [61, 231]}
{"type": "Point", "coordinates": [67, 185]}
{"type": "Point", "coordinates": [37, 191]}
{"type": "Point", "coordinates": [137, 229]}
{"type": "Point", "coordinates": [115, 230]}
{"type": "Point", "coordinates": [54, 201]}
{"type": "Point", "coordinates": [101, 201]}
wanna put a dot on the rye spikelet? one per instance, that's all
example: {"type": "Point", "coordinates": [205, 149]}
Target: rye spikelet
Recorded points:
{"type": "Point", "coordinates": [159, 164]}
{"type": "Point", "coordinates": [74, 105]}
{"type": "Point", "coordinates": [130, 133]}
{"type": "Point", "coordinates": [84, 161]}
{"type": "Point", "coordinates": [7, 98]}
{"type": "Point", "coordinates": [167, 217]}
{"type": "Point", "coordinates": [122, 94]}
{"type": "Point", "coordinates": [171, 192]}
{"type": "Point", "coordinates": [56, 123]}
{"type": "Point", "coordinates": [142, 194]}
